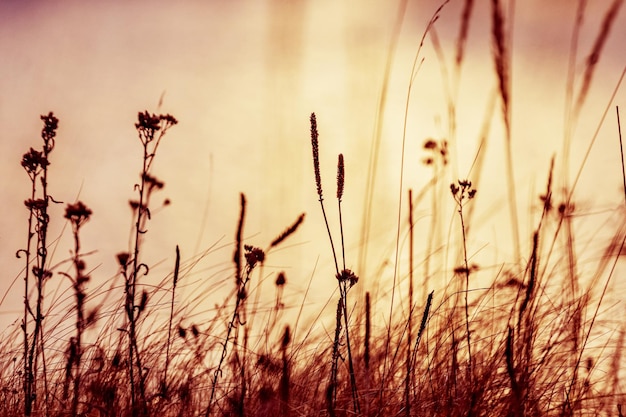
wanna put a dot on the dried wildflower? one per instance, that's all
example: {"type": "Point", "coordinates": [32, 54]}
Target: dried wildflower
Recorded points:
{"type": "Point", "coordinates": [148, 124]}
{"type": "Point", "coordinates": [152, 181]}
{"type": "Point", "coordinates": [41, 274]}
{"type": "Point", "coordinates": [253, 255]}
{"type": "Point", "coordinates": [430, 144]}
{"type": "Point", "coordinates": [437, 150]}
{"type": "Point", "coordinates": [147, 121]}
{"type": "Point", "coordinates": [462, 191]}
{"type": "Point", "coordinates": [566, 208]}
{"type": "Point", "coordinates": [340, 177]}
{"type": "Point", "coordinates": [443, 151]}
{"type": "Point", "coordinates": [122, 259]}
{"type": "Point", "coordinates": [33, 160]}
{"type": "Point", "coordinates": [182, 332]}
{"type": "Point", "coordinates": [348, 276]}
{"type": "Point", "coordinates": [38, 204]}
{"type": "Point", "coordinates": [77, 213]}
{"type": "Point", "coordinates": [48, 132]}
{"type": "Point", "coordinates": [280, 279]}
{"type": "Point", "coordinates": [80, 265]}
{"type": "Point", "coordinates": [168, 119]}
{"type": "Point", "coordinates": [454, 189]}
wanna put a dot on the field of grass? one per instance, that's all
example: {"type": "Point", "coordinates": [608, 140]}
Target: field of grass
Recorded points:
{"type": "Point", "coordinates": [531, 337]}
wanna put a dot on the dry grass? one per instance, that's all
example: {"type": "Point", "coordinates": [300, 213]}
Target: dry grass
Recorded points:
{"type": "Point", "coordinates": [532, 342]}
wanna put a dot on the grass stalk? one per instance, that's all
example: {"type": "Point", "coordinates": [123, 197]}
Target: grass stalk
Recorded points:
{"type": "Point", "coordinates": [164, 383]}
{"type": "Point", "coordinates": [408, 375]}
{"type": "Point", "coordinates": [36, 165]}
{"type": "Point", "coordinates": [284, 378]}
{"type": "Point", "coordinates": [462, 192]}
{"type": "Point", "coordinates": [151, 129]}
{"type": "Point", "coordinates": [241, 283]}
{"type": "Point", "coordinates": [346, 279]}
{"type": "Point", "coordinates": [77, 214]}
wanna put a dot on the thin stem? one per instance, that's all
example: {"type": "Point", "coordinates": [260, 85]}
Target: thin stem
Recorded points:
{"type": "Point", "coordinates": [241, 288]}
{"type": "Point", "coordinates": [407, 381]}
{"type": "Point", "coordinates": [344, 301]}
{"type": "Point", "coordinates": [621, 150]}
{"type": "Point", "coordinates": [467, 273]}
{"type": "Point", "coordinates": [169, 327]}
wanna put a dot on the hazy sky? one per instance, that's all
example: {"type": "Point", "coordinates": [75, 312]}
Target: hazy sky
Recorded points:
{"type": "Point", "coordinates": [242, 78]}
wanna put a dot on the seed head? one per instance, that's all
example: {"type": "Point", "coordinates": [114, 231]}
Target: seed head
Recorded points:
{"type": "Point", "coordinates": [316, 155]}
{"type": "Point", "coordinates": [349, 276]}
{"type": "Point", "coordinates": [280, 279]}
{"type": "Point", "coordinates": [289, 231]}
{"type": "Point", "coordinates": [340, 177]}
{"type": "Point", "coordinates": [33, 160]}
{"type": "Point", "coordinates": [48, 132]}
{"type": "Point", "coordinates": [77, 213]}
{"type": "Point", "coordinates": [122, 259]}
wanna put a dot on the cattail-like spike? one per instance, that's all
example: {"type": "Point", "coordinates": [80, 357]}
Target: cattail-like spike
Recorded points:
{"type": "Point", "coordinates": [290, 230]}
{"type": "Point", "coordinates": [286, 338]}
{"type": "Point", "coordinates": [340, 177]}
{"type": "Point", "coordinates": [318, 182]}
{"type": "Point", "coordinates": [238, 240]}
{"type": "Point", "coordinates": [316, 155]}
{"type": "Point", "coordinates": [368, 330]}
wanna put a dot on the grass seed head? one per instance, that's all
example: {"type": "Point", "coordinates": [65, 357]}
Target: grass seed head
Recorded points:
{"type": "Point", "coordinates": [340, 177]}
{"type": "Point", "coordinates": [316, 155]}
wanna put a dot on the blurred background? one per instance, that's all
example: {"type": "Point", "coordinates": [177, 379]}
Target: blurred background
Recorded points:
{"type": "Point", "coordinates": [242, 78]}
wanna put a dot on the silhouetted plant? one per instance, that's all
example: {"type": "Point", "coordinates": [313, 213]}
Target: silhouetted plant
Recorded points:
{"type": "Point", "coordinates": [462, 193]}
{"type": "Point", "coordinates": [77, 214]}
{"type": "Point", "coordinates": [151, 129]}
{"type": "Point", "coordinates": [254, 257]}
{"type": "Point", "coordinates": [346, 279]}
{"type": "Point", "coordinates": [532, 349]}
{"type": "Point", "coordinates": [36, 164]}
